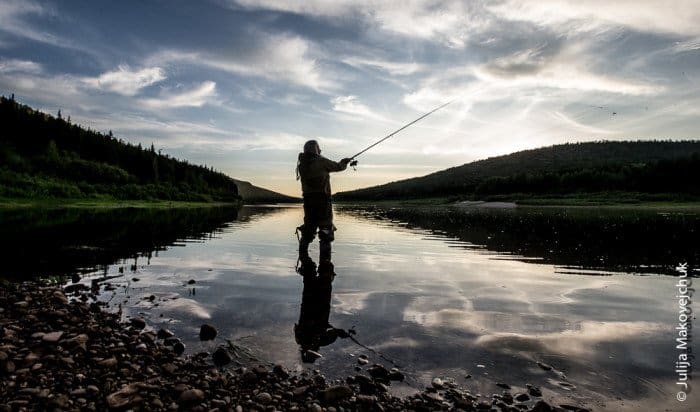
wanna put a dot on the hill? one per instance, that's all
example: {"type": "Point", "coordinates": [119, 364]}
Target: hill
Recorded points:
{"type": "Point", "coordinates": [254, 194]}
{"type": "Point", "coordinates": [666, 169]}
{"type": "Point", "coordinates": [42, 156]}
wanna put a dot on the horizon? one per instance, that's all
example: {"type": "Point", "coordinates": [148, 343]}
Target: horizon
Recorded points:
{"type": "Point", "coordinates": [241, 85]}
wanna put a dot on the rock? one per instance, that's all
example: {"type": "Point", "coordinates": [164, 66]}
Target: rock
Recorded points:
{"type": "Point", "coordinates": [52, 337]}
{"type": "Point", "coordinates": [534, 391]}
{"type": "Point", "coordinates": [249, 377]}
{"type": "Point", "coordinates": [171, 341]}
{"type": "Point", "coordinates": [179, 348]}
{"type": "Point", "coordinates": [336, 394]}
{"type": "Point", "coordinates": [362, 361]}
{"type": "Point", "coordinates": [263, 398]}
{"type": "Point", "coordinates": [191, 282]}
{"type": "Point", "coordinates": [207, 332]}
{"type": "Point", "coordinates": [138, 323]}
{"type": "Point", "coordinates": [438, 383]}
{"type": "Point", "coordinates": [59, 401]}
{"type": "Point", "coordinates": [164, 333]}
{"type": "Point", "coordinates": [9, 367]}
{"type": "Point", "coordinates": [300, 390]}
{"type": "Point", "coordinates": [544, 366]}
{"type": "Point", "coordinates": [192, 396]}
{"type": "Point", "coordinates": [396, 375]}
{"type": "Point", "coordinates": [541, 406]}
{"type": "Point", "coordinates": [169, 368]}
{"type": "Point", "coordinates": [108, 363]}
{"type": "Point", "coordinates": [521, 397]}
{"type": "Point", "coordinates": [378, 371]}
{"type": "Point", "coordinates": [280, 371]}
{"type": "Point", "coordinates": [221, 356]}
{"type": "Point", "coordinates": [503, 385]}
{"type": "Point", "coordinates": [366, 399]}
{"type": "Point", "coordinates": [123, 398]}
{"type": "Point", "coordinates": [59, 297]}
{"type": "Point", "coordinates": [310, 355]}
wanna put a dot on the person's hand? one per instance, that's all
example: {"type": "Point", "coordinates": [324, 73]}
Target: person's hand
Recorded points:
{"type": "Point", "coordinates": [345, 160]}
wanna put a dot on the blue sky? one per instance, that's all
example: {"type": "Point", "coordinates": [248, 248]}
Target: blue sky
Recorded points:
{"type": "Point", "coordinates": [240, 85]}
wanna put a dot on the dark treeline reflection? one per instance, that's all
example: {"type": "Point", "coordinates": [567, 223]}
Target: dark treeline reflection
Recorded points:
{"type": "Point", "coordinates": [607, 239]}
{"type": "Point", "coordinates": [57, 242]}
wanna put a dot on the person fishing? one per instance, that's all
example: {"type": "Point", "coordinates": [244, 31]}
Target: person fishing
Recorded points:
{"type": "Point", "coordinates": [314, 172]}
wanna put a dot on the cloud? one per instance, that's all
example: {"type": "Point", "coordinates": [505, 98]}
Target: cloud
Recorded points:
{"type": "Point", "coordinates": [279, 58]}
{"type": "Point", "coordinates": [644, 15]}
{"type": "Point", "coordinates": [350, 105]}
{"type": "Point", "coordinates": [196, 96]}
{"type": "Point", "coordinates": [448, 22]}
{"type": "Point", "coordinates": [20, 66]}
{"type": "Point", "coordinates": [391, 67]}
{"type": "Point", "coordinates": [126, 81]}
{"type": "Point", "coordinates": [13, 21]}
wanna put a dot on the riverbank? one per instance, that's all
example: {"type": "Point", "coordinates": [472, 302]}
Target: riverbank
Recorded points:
{"type": "Point", "coordinates": [59, 352]}
{"type": "Point", "coordinates": [509, 202]}
{"type": "Point", "coordinates": [15, 203]}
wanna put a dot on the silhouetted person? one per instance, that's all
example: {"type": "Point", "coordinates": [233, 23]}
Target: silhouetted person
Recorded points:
{"type": "Point", "coordinates": [313, 330]}
{"type": "Point", "coordinates": [314, 171]}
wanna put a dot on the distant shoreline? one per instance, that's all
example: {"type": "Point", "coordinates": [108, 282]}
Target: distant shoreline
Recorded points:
{"type": "Point", "coordinates": [109, 203]}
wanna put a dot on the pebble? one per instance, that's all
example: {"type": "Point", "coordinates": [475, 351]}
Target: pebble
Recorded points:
{"type": "Point", "coordinates": [52, 337]}
{"type": "Point", "coordinates": [263, 398]}
{"type": "Point", "coordinates": [191, 396]}
{"type": "Point", "coordinates": [74, 356]}
{"type": "Point", "coordinates": [164, 333]}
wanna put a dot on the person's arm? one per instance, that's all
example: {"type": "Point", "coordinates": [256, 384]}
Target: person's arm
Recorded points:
{"type": "Point", "coordinates": [332, 166]}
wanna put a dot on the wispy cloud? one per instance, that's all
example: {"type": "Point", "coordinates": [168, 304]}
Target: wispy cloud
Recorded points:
{"type": "Point", "coordinates": [20, 66]}
{"type": "Point", "coordinates": [126, 81]}
{"type": "Point", "coordinates": [391, 67]}
{"type": "Point", "coordinates": [448, 22]}
{"type": "Point", "coordinates": [278, 58]}
{"type": "Point", "coordinates": [351, 105]}
{"type": "Point", "coordinates": [196, 96]}
{"type": "Point", "coordinates": [644, 15]}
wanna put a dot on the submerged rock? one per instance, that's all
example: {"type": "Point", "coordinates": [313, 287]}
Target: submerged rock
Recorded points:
{"type": "Point", "coordinates": [207, 332]}
{"type": "Point", "coordinates": [221, 356]}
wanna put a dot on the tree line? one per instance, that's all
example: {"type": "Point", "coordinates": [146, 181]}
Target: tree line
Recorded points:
{"type": "Point", "coordinates": [660, 169]}
{"type": "Point", "coordinates": [42, 156]}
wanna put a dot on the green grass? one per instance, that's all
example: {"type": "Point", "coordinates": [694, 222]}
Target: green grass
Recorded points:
{"type": "Point", "coordinates": [6, 203]}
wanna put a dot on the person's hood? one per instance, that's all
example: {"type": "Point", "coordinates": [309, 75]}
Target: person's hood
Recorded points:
{"type": "Point", "coordinates": [307, 157]}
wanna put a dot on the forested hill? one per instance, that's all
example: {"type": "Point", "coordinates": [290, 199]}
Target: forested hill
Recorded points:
{"type": "Point", "coordinates": [254, 194]}
{"type": "Point", "coordinates": [42, 156]}
{"type": "Point", "coordinates": [661, 169]}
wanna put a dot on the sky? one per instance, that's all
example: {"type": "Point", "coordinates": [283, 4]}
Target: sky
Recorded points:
{"type": "Point", "coordinates": [240, 85]}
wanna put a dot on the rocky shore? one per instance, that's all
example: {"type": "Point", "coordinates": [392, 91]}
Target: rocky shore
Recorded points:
{"type": "Point", "coordinates": [58, 353]}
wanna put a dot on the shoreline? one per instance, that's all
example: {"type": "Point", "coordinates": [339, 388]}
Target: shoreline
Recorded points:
{"type": "Point", "coordinates": [61, 352]}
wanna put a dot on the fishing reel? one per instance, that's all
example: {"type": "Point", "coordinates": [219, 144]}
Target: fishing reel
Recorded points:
{"type": "Point", "coordinates": [353, 164]}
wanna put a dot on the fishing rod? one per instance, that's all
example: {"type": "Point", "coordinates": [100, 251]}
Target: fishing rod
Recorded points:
{"type": "Point", "coordinates": [354, 162]}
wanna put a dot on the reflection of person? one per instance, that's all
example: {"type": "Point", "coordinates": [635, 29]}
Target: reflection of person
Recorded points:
{"type": "Point", "coordinates": [314, 171]}
{"type": "Point", "coordinates": [313, 330]}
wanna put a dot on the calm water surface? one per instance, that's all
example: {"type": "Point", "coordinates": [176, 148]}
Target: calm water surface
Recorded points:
{"type": "Point", "coordinates": [438, 298]}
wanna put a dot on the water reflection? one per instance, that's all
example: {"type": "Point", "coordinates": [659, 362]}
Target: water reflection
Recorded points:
{"type": "Point", "coordinates": [589, 240]}
{"type": "Point", "coordinates": [67, 241]}
{"type": "Point", "coordinates": [430, 298]}
{"type": "Point", "coordinates": [313, 329]}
